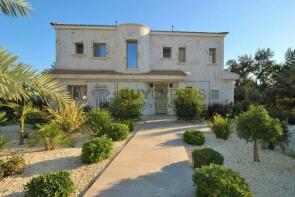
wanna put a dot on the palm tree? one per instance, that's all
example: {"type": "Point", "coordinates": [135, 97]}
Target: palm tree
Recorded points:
{"type": "Point", "coordinates": [19, 82]}
{"type": "Point", "coordinates": [2, 117]}
{"type": "Point", "coordinates": [15, 8]}
{"type": "Point", "coordinates": [22, 111]}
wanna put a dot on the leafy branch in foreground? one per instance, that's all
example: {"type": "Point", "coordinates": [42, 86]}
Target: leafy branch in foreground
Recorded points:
{"type": "Point", "coordinates": [15, 8]}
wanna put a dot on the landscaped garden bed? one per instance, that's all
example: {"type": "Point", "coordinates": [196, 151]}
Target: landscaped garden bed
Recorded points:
{"type": "Point", "coordinates": [39, 162]}
{"type": "Point", "coordinates": [274, 175]}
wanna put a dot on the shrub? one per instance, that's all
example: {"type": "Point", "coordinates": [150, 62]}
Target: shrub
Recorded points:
{"type": "Point", "coordinates": [188, 103]}
{"type": "Point", "coordinates": [127, 104]}
{"type": "Point", "coordinates": [282, 140]}
{"type": "Point", "coordinates": [277, 112]}
{"type": "Point", "coordinates": [3, 141]}
{"type": "Point", "coordinates": [37, 117]}
{"type": "Point", "coordinates": [291, 119]}
{"type": "Point", "coordinates": [129, 123]}
{"type": "Point", "coordinates": [240, 107]}
{"type": "Point", "coordinates": [215, 180]}
{"type": "Point", "coordinates": [194, 137]}
{"type": "Point", "coordinates": [51, 184]}
{"type": "Point", "coordinates": [14, 164]}
{"type": "Point", "coordinates": [256, 124]}
{"type": "Point", "coordinates": [70, 116]}
{"type": "Point", "coordinates": [118, 131]}
{"type": "Point", "coordinates": [221, 127]}
{"type": "Point", "coordinates": [97, 150]}
{"type": "Point", "coordinates": [206, 156]}
{"type": "Point", "coordinates": [98, 120]}
{"type": "Point", "coordinates": [216, 108]}
{"type": "Point", "coordinates": [50, 135]}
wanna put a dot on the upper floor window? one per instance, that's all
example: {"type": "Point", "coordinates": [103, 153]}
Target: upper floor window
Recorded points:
{"type": "Point", "coordinates": [167, 52]}
{"type": "Point", "coordinates": [99, 50]}
{"type": "Point", "coordinates": [79, 48]}
{"type": "Point", "coordinates": [131, 54]}
{"type": "Point", "coordinates": [182, 54]}
{"type": "Point", "coordinates": [212, 55]}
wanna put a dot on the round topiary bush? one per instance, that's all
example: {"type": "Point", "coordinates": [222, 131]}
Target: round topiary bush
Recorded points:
{"type": "Point", "coordinates": [118, 131]}
{"type": "Point", "coordinates": [52, 184]}
{"type": "Point", "coordinates": [216, 180]}
{"type": "Point", "coordinates": [13, 165]}
{"type": "Point", "coordinates": [97, 150]}
{"type": "Point", "coordinates": [221, 127]}
{"type": "Point", "coordinates": [206, 156]}
{"type": "Point", "coordinates": [194, 137]}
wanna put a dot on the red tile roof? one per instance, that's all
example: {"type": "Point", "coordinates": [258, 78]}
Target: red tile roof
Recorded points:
{"type": "Point", "coordinates": [103, 25]}
{"type": "Point", "coordinates": [111, 72]}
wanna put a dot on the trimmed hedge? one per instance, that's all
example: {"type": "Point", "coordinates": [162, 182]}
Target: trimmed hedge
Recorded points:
{"type": "Point", "coordinates": [97, 150]}
{"type": "Point", "coordinates": [221, 127]}
{"type": "Point", "coordinates": [194, 137]}
{"type": "Point", "coordinates": [215, 180]}
{"type": "Point", "coordinates": [118, 131]}
{"type": "Point", "coordinates": [51, 184]}
{"type": "Point", "coordinates": [206, 156]}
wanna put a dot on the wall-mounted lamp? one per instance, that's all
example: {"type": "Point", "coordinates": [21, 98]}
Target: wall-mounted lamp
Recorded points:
{"type": "Point", "coordinates": [170, 85]}
{"type": "Point", "coordinates": [151, 85]}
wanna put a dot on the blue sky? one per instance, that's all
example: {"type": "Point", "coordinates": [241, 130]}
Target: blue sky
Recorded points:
{"type": "Point", "coordinates": [252, 24]}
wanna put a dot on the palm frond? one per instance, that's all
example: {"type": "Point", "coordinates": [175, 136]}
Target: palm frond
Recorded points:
{"type": "Point", "coordinates": [20, 82]}
{"type": "Point", "coordinates": [15, 8]}
{"type": "Point", "coordinates": [2, 117]}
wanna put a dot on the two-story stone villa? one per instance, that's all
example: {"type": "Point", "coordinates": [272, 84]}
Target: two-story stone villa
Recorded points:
{"type": "Point", "coordinates": [93, 61]}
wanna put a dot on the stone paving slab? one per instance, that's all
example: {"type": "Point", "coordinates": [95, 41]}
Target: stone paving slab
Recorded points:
{"type": "Point", "coordinates": [153, 163]}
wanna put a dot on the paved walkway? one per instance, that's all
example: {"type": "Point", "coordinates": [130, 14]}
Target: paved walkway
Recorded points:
{"type": "Point", "coordinates": [154, 163]}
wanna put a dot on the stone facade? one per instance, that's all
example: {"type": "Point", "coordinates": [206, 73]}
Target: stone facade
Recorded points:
{"type": "Point", "coordinates": [156, 76]}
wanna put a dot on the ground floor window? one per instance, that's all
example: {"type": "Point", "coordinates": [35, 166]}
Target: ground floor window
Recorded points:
{"type": "Point", "coordinates": [214, 94]}
{"type": "Point", "coordinates": [78, 92]}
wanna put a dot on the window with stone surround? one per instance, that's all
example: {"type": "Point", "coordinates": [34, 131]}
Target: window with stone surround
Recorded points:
{"type": "Point", "coordinates": [214, 94]}
{"type": "Point", "coordinates": [212, 55]}
{"type": "Point", "coordinates": [79, 48]}
{"type": "Point", "coordinates": [78, 92]}
{"type": "Point", "coordinates": [182, 55]}
{"type": "Point", "coordinates": [99, 49]}
{"type": "Point", "coordinates": [167, 52]}
{"type": "Point", "coordinates": [132, 55]}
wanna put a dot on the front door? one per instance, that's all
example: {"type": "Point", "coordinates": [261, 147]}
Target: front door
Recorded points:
{"type": "Point", "coordinates": [161, 92]}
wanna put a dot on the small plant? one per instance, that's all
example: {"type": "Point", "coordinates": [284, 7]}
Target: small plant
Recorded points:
{"type": "Point", "coordinates": [98, 120]}
{"type": "Point", "coordinates": [222, 109]}
{"type": "Point", "coordinates": [221, 127]}
{"type": "Point", "coordinates": [22, 112]}
{"type": "Point", "coordinates": [188, 103]}
{"type": "Point", "coordinates": [118, 131]}
{"type": "Point", "coordinates": [14, 164]}
{"type": "Point", "coordinates": [51, 184]}
{"type": "Point", "coordinates": [206, 156]}
{"type": "Point", "coordinates": [50, 135]}
{"type": "Point", "coordinates": [3, 141]}
{"type": "Point", "coordinates": [194, 137]}
{"type": "Point", "coordinates": [215, 180]}
{"type": "Point", "coordinates": [97, 150]}
{"type": "Point", "coordinates": [127, 104]}
{"type": "Point", "coordinates": [255, 125]}
{"type": "Point", "coordinates": [70, 116]}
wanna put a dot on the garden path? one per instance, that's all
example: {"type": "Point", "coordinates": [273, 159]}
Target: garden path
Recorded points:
{"type": "Point", "coordinates": [153, 163]}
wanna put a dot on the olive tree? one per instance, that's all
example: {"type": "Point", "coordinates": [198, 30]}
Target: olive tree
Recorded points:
{"type": "Point", "coordinates": [255, 125]}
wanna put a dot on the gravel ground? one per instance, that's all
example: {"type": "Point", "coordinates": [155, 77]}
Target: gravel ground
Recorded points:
{"type": "Point", "coordinates": [39, 162]}
{"type": "Point", "coordinates": [274, 176]}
